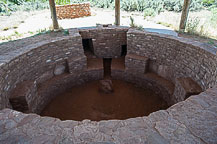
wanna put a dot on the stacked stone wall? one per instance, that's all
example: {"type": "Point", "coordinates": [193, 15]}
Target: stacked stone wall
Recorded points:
{"type": "Point", "coordinates": [73, 11]}
{"type": "Point", "coordinates": [168, 57]}
{"type": "Point", "coordinates": [107, 41]}
{"type": "Point", "coordinates": [40, 63]}
{"type": "Point", "coordinates": [173, 57]}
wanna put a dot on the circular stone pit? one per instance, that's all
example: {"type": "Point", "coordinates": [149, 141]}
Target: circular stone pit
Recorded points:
{"type": "Point", "coordinates": [35, 70]}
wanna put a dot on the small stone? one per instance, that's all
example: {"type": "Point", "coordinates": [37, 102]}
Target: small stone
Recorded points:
{"type": "Point", "coordinates": [59, 69]}
{"type": "Point", "coordinates": [106, 86]}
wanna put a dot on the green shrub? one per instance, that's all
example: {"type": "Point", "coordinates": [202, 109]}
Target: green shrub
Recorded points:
{"type": "Point", "coordinates": [192, 25]}
{"type": "Point", "coordinates": [126, 5]}
{"type": "Point", "coordinates": [9, 6]}
{"type": "Point", "coordinates": [149, 12]}
{"type": "Point", "coordinates": [208, 3]}
{"type": "Point", "coordinates": [214, 17]}
{"type": "Point", "coordinates": [129, 5]}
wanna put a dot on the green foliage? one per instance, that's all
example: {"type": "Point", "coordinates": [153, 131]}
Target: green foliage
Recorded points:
{"type": "Point", "coordinates": [103, 3]}
{"type": "Point", "coordinates": [214, 17]}
{"type": "Point", "coordinates": [211, 42]}
{"type": "Point", "coordinates": [129, 5]}
{"type": "Point", "coordinates": [9, 6]}
{"type": "Point", "coordinates": [141, 5]}
{"type": "Point", "coordinates": [192, 25]}
{"type": "Point", "coordinates": [65, 32]}
{"type": "Point", "coordinates": [62, 2]}
{"type": "Point", "coordinates": [149, 12]}
{"type": "Point", "coordinates": [208, 3]}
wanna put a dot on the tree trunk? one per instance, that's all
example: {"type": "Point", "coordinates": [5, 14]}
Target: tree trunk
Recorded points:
{"type": "Point", "coordinates": [184, 17]}
{"type": "Point", "coordinates": [117, 12]}
{"type": "Point", "coordinates": [53, 14]}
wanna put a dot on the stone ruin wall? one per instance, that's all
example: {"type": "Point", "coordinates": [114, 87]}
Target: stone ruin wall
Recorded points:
{"type": "Point", "coordinates": [173, 57]}
{"type": "Point", "coordinates": [173, 60]}
{"type": "Point", "coordinates": [62, 59]}
{"type": "Point", "coordinates": [73, 11]}
{"type": "Point", "coordinates": [169, 58]}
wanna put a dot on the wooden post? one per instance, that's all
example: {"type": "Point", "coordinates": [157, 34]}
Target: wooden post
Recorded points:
{"type": "Point", "coordinates": [184, 17]}
{"type": "Point", "coordinates": [117, 12]}
{"type": "Point", "coordinates": [53, 14]}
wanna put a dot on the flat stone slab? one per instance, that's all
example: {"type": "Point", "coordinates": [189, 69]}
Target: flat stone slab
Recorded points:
{"type": "Point", "coordinates": [162, 31]}
{"type": "Point", "coordinates": [191, 121]}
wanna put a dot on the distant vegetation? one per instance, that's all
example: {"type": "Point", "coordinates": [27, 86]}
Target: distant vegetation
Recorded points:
{"type": "Point", "coordinates": [8, 6]}
{"type": "Point", "coordinates": [200, 23]}
{"type": "Point", "coordinates": [141, 5]}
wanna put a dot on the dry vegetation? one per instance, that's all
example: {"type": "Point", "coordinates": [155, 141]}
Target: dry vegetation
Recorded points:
{"type": "Point", "coordinates": [199, 23]}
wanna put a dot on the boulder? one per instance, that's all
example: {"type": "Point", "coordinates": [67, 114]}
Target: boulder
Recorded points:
{"type": "Point", "coordinates": [106, 86]}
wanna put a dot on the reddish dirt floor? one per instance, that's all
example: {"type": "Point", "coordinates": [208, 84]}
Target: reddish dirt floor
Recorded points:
{"type": "Point", "coordinates": [86, 102]}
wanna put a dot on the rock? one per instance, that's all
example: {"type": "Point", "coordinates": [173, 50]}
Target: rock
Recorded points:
{"type": "Point", "coordinates": [59, 69]}
{"type": "Point", "coordinates": [106, 86]}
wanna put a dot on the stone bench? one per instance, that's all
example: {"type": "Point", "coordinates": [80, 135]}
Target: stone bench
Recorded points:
{"type": "Point", "coordinates": [23, 96]}
{"type": "Point", "coordinates": [136, 64]}
{"type": "Point", "coordinates": [184, 88]}
{"type": "Point", "coordinates": [160, 85]}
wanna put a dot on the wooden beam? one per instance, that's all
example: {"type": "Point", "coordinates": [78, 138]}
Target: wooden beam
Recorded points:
{"type": "Point", "coordinates": [184, 17]}
{"type": "Point", "coordinates": [53, 14]}
{"type": "Point", "coordinates": [117, 12]}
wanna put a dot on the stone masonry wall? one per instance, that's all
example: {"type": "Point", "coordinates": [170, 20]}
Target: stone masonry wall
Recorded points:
{"type": "Point", "coordinates": [73, 11]}
{"type": "Point", "coordinates": [107, 41]}
{"type": "Point", "coordinates": [52, 55]}
{"type": "Point", "coordinates": [174, 57]}
{"type": "Point", "coordinates": [41, 61]}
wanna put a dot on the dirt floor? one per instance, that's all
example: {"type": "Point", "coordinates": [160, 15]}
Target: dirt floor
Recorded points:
{"type": "Point", "coordinates": [86, 102]}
